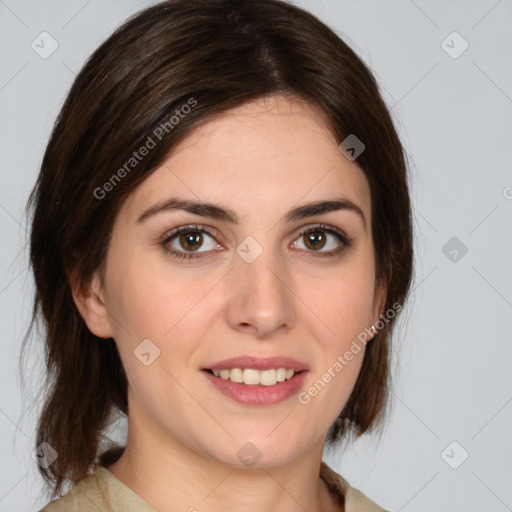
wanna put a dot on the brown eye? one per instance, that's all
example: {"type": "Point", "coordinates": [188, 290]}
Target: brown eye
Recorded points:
{"type": "Point", "coordinates": [187, 242]}
{"type": "Point", "coordinates": [315, 239]}
{"type": "Point", "coordinates": [322, 240]}
{"type": "Point", "coordinates": [191, 240]}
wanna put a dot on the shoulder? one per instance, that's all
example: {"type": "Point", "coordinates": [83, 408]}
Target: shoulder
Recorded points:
{"type": "Point", "coordinates": [355, 500]}
{"type": "Point", "coordinates": [86, 496]}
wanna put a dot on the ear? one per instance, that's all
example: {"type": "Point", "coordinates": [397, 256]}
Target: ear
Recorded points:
{"type": "Point", "coordinates": [89, 300]}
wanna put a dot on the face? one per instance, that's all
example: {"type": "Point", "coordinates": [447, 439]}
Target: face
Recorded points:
{"type": "Point", "coordinates": [271, 285]}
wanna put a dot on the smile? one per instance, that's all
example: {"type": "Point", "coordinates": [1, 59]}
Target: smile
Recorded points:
{"type": "Point", "coordinates": [257, 387]}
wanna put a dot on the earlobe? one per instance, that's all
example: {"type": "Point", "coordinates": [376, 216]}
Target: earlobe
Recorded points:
{"type": "Point", "coordinates": [90, 302]}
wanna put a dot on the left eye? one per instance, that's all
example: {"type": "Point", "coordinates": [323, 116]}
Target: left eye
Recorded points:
{"type": "Point", "coordinates": [321, 239]}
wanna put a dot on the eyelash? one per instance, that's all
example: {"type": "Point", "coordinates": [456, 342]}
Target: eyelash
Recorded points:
{"type": "Point", "coordinates": [345, 242]}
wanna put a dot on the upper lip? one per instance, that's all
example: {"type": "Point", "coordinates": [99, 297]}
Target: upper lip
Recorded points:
{"type": "Point", "coordinates": [258, 363]}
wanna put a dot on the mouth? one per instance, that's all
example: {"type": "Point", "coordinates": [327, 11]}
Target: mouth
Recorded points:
{"type": "Point", "coordinates": [256, 387]}
{"type": "Point", "coordinates": [255, 377]}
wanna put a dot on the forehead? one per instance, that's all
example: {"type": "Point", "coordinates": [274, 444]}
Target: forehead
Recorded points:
{"type": "Point", "coordinates": [260, 157]}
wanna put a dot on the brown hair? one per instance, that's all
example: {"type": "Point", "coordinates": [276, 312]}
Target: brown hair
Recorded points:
{"type": "Point", "coordinates": [221, 53]}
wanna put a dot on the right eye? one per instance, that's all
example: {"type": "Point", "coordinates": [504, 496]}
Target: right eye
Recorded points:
{"type": "Point", "coordinates": [185, 241]}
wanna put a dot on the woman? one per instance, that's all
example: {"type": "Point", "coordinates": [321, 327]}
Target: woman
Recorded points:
{"type": "Point", "coordinates": [221, 243]}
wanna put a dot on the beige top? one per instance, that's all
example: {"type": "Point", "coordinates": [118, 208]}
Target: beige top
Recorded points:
{"type": "Point", "coordinates": [104, 492]}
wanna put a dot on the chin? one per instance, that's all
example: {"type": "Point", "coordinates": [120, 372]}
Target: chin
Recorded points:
{"type": "Point", "coordinates": [261, 451]}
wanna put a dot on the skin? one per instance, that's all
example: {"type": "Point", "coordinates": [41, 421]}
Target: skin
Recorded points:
{"type": "Point", "coordinates": [260, 160]}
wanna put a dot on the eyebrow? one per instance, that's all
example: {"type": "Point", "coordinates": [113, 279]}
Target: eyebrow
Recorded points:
{"type": "Point", "coordinates": [218, 212]}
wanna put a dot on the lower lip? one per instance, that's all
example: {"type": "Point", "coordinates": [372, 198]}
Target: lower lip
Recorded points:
{"type": "Point", "coordinates": [258, 395]}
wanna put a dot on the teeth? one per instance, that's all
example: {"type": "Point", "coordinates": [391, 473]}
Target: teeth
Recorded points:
{"type": "Point", "coordinates": [268, 377]}
{"type": "Point", "coordinates": [236, 375]}
{"type": "Point", "coordinates": [253, 377]}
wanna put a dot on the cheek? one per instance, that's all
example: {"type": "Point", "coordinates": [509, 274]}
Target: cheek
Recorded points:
{"type": "Point", "coordinates": [342, 307]}
{"type": "Point", "coordinates": [165, 307]}
{"type": "Point", "coordinates": [343, 303]}
{"type": "Point", "coordinates": [153, 300]}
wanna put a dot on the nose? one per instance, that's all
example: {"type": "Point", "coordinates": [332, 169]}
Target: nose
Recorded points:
{"type": "Point", "coordinates": [260, 299]}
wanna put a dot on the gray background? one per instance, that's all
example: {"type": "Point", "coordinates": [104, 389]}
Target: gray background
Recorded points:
{"type": "Point", "coordinates": [453, 353]}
